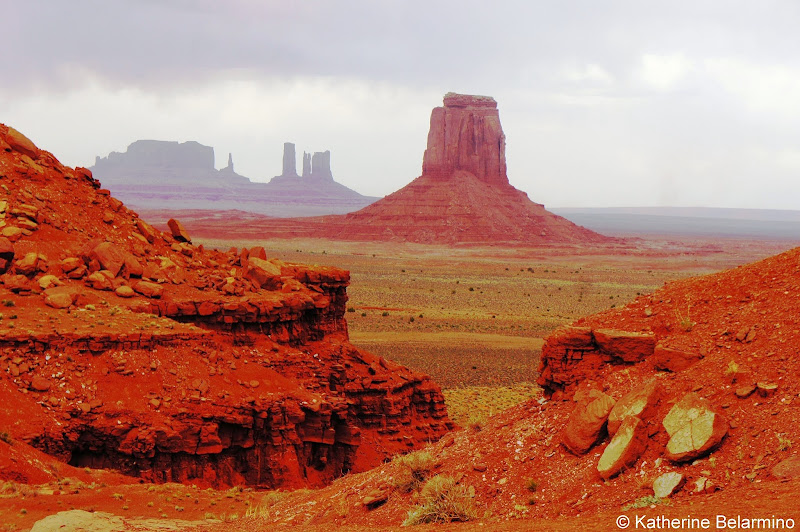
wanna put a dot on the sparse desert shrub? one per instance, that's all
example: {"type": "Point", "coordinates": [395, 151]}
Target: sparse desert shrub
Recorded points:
{"type": "Point", "coordinates": [8, 303]}
{"type": "Point", "coordinates": [6, 437]}
{"type": "Point", "coordinates": [270, 499]}
{"type": "Point", "coordinates": [644, 502]}
{"type": "Point", "coordinates": [685, 322]}
{"type": "Point", "coordinates": [531, 485]}
{"type": "Point", "coordinates": [476, 421]}
{"type": "Point", "coordinates": [385, 313]}
{"type": "Point", "coordinates": [351, 309]}
{"type": "Point", "coordinates": [732, 370]}
{"type": "Point", "coordinates": [413, 470]}
{"type": "Point", "coordinates": [442, 500]}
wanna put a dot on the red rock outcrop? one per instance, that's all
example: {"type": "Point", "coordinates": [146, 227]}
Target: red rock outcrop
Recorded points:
{"type": "Point", "coordinates": [466, 135]}
{"type": "Point", "coordinates": [463, 196]}
{"type": "Point", "coordinates": [138, 351]}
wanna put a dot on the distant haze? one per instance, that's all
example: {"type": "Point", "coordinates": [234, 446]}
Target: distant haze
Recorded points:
{"type": "Point", "coordinates": [615, 103]}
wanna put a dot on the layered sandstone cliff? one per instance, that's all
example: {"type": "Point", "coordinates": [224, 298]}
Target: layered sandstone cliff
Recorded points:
{"type": "Point", "coordinates": [133, 349]}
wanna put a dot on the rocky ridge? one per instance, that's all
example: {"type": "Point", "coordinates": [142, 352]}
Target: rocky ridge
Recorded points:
{"type": "Point", "coordinates": [127, 348]}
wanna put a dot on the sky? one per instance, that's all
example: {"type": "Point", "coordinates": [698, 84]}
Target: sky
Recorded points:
{"type": "Point", "coordinates": [604, 104]}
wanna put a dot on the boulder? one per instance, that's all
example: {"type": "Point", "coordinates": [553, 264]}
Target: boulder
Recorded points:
{"type": "Point", "coordinates": [58, 300]}
{"type": "Point", "coordinates": [6, 254]}
{"type": "Point", "coordinates": [147, 230]}
{"type": "Point", "coordinates": [99, 280]}
{"type": "Point", "coordinates": [30, 264]}
{"type": "Point", "coordinates": [625, 447]}
{"type": "Point", "coordinates": [12, 233]}
{"type": "Point", "coordinates": [627, 346]}
{"type": "Point", "coordinates": [667, 484]}
{"type": "Point", "coordinates": [670, 359]}
{"type": "Point", "coordinates": [21, 143]}
{"type": "Point", "coordinates": [49, 281]}
{"type": "Point", "coordinates": [264, 273]}
{"type": "Point", "coordinates": [258, 252]}
{"type": "Point", "coordinates": [125, 291]}
{"type": "Point", "coordinates": [789, 468]}
{"type": "Point", "coordinates": [71, 264]}
{"type": "Point", "coordinates": [640, 403]}
{"type": "Point", "coordinates": [148, 289]}
{"type": "Point", "coordinates": [586, 422]}
{"type": "Point", "coordinates": [17, 283]}
{"type": "Point", "coordinates": [689, 407]}
{"type": "Point", "coordinates": [698, 437]}
{"type": "Point", "coordinates": [178, 231]}
{"type": "Point", "coordinates": [114, 259]}
{"type": "Point", "coordinates": [40, 384]}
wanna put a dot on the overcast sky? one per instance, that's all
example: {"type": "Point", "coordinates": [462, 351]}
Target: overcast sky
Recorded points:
{"type": "Point", "coordinates": [612, 103]}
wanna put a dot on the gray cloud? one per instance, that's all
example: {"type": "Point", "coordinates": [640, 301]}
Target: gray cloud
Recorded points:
{"type": "Point", "coordinates": [631, 102]}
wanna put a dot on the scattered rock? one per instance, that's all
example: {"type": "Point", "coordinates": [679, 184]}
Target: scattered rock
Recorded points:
{"type": "Point", "coordinates": [586, 422]}
{"type": "Point", "coordinates": [178, 232]}
{"type": "Point", "coordinates": [625, 447]}
{"type": "Point", "coordinates": [667, 484]}
{"type": "Point", "coordinates": [639, 403]}
{"type": "Point", "coordinates": [745, 390]}
{"type": "Point", "coordinates": [703, 485]}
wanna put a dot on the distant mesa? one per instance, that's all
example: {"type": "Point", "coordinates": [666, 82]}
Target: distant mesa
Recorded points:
{"type": "Point", "coordinates": [165, 175]}
{"type": "Point", "coordinates": [463, 196]}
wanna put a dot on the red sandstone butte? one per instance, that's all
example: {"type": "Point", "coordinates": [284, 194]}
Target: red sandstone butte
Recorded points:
{"type": "Point", "coordinates": [463, 196]}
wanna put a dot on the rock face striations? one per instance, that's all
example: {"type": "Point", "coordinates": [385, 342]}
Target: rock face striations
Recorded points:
{"type": "Point", "coordinates": [466, 135]}
{"type": "Point", "coordinates": [135, 350]}
{"type": "Point", "coordinates": [154, 175]}
{"type": "Point", "coordinates": [463, 196]}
